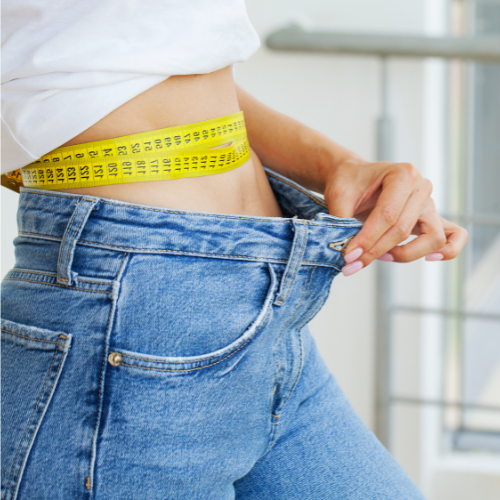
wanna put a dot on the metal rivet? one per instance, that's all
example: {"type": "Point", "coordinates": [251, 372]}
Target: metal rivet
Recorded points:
{"type": "Point", "coordinates": [115, 359]}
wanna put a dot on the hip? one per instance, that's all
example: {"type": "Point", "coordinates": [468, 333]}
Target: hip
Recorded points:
{"type": "Point", "coordinates": [143, 336]}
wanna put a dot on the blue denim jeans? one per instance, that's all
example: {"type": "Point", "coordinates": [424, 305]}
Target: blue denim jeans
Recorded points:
{"type": "Point", "coordinates": [164, 354]}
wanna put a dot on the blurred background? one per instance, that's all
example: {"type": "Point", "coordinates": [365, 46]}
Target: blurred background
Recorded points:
{"type": "Point", "coordinates": [416, 347]}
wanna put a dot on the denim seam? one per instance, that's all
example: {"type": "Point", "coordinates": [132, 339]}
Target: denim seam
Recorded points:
{"type": "Point", "coordinates": [93, 453]}
{"type": "Point", "coordinates": [61, 286]}
{"type": "Point", "coordinates": [309, 318]}
{"type": "Point", "coordinates": [263, 323]}
{"type": "Point", "coordinates": [66, 232]}
{"type": "Point", "coordinates": [29, 423]}
{"type": "Point", "coordinates": [54, 275]}
{"type": "Point", "coordinates": [42, 413]}
{"type": "Point", "coordinates": [287, 292]}
{"type": "Point", "coordinates": [274, 430]}
{"type": "Point", "coordinates": [51, 193]}
{"type": "Point", "coordinates": [181, 252]}
{"type": "Point", "coordinates": [204, 366]}
{"type": "Point", "coordinates": [291, 318]}
{"type": "Point", "coordinates": [202, 214]}
{"type": "Point", "coordinates": [200, 254]}
{"type": "Point", "coordinates": [83, 218]}
{"type": "Point", "coordinates": [38, 340]}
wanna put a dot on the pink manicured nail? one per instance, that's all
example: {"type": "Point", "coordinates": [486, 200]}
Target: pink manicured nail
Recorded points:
{"type": "Point", "coordinates": [387, 257]}
{"type": "Point", "coordinates": [352, 268]}
{"type": "Point", "coordinates": [353, 255]}
{"type": "Point", "coordinates": [432, 257]}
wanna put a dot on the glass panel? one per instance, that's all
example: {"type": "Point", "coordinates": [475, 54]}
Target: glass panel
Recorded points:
{"type": "Point", "coordinates": [405, 355]}
{"type": "Point", "coordinates": [481, 372]}
{"type": "Point", "coordinates": [481, 292]}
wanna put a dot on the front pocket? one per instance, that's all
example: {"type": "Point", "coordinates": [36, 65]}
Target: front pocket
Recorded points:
{"type": "Point", "coordinates": [121, 357]}
{"type": "Point", "coordinates": [32, 361]}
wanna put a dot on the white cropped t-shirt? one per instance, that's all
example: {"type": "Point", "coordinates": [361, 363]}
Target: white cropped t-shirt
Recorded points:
{"type": "Point", "coordinates": [68, 63]}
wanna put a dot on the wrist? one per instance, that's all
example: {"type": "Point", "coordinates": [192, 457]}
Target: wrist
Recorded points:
{"type": "Point", "coordinates": [330, 158]}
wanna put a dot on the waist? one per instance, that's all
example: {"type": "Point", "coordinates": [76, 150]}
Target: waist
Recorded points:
{"type": "Point", "coordinates": [182, 100]}
{"type": "Point", "coordinates": [125, 227]}
{"type": "Point", "coordinates": [175, 102]}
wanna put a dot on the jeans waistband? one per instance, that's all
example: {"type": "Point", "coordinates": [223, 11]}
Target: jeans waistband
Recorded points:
{"type": "Point", "coordinates": [127, 227]}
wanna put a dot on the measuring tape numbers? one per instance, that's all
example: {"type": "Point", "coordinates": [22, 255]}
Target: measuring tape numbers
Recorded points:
{"type": "Point", "coordinates": [170, 153]}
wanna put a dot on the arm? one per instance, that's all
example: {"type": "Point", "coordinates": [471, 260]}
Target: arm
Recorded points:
{"type": "Point", "coordinates": [392, 198]}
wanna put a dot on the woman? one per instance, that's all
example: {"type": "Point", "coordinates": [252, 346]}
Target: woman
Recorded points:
{"type": "Point", "coordinates": [154, 334]}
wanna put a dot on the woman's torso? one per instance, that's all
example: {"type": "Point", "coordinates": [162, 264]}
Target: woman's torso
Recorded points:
{"type": "Point", "coordinates": [181, 100]}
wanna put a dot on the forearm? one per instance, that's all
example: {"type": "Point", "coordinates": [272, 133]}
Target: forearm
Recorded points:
{"type": "Point", "coordinates": [290, 147]}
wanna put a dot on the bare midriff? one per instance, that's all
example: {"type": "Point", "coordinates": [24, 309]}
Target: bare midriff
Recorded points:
{"type": "Point", "coordinates": [181, 100]}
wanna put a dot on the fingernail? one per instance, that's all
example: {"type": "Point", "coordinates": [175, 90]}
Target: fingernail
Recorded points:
{"type": "Point", "coordinates": [352, 268]}
{"type": "Point", "coordinates": [353, 255]}
{"type": "Point", "coordinates": [432, 257]}
{"type": "Point", "coordinates": [387, 257]}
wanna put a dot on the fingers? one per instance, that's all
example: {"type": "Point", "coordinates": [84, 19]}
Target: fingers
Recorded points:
{"type": "Point", "coordinates": [437, 239]}
{"type": "Point", "coordinates": [456, 238]}
{"type": "Point", "coordinates": [431, 238]}
{"type": "Point", "coordinates": [398, 186]}
{"type": "Point", "coordinates": [403, 228]}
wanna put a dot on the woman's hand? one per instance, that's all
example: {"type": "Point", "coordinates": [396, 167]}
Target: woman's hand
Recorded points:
{"type": "Point", "coordinates": [392, 198]}
{"type": "Point", "coordinates": [394, 201]}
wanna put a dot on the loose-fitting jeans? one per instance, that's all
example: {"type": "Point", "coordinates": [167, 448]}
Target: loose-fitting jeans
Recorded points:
{"type": "Point", "coordinates": [164, 354]}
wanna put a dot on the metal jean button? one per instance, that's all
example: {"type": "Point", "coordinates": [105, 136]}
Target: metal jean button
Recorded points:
{"type": "Point", "coordinates": [115, 359]}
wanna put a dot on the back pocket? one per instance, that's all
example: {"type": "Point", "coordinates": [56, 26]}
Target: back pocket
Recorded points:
{"type": "Point", "coordinates": [32, 360]}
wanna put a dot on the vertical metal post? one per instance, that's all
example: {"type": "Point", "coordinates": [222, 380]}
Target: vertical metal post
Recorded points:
{"type": "Point", "coordinates": [383, 279]}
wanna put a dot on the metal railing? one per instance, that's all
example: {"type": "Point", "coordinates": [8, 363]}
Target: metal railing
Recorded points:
{"type": "Point", "coordinates": [294, 38]}
{"type": "Point", "coordinates": [485, 49]}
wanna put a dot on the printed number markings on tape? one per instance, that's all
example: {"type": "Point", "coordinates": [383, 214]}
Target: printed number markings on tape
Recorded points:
{"type": "Point", "coordinates": [170, 153]}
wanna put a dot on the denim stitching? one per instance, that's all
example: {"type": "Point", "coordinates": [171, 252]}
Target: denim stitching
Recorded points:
{"type": "Point", "coordinates": [27, 427]}
{"type": "Point", "coordinates": [202, 214]}
{"type": "Point", "coordinates": [54, 284]}
{"type": "Point", "coordinates": [99, 398]}
{"type": "Point", "coordinates": [295, 311]}
{"type": "Point", "coordinates": [181, 252]}
{"type": "Point", "coordinates": [300, 336]}
{"type": "Point", "coordinates": [37, 340]}
{"type": "Point", "coordinates": [73, 238]}
{"type": "Point", "coordinates": [89, 207]}
{"type": "Point", "coordinates": [51, 193]}
{"type": "Point", "coordinates": [287, 293]}
{"type": "Point", "coordinates": [199, 367]}
{"type": "Point", "coordinates": [64, 239]}
{"type": "Point", "coordinates": [148, 250]}
{"type": "Point", "coordinates": [278, 371]}
{"type": "Point", "coordinates": [41, 414]}
{"type": "Point", "coordinates": [103, 369]}
{"type": "Point", "coordinates": [54, 275]}
{"type": "Point", "coordinates": [264, 319]}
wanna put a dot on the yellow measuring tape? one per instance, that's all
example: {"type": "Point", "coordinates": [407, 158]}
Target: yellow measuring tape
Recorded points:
{"type": "Point", "coordinates": [170, 153]}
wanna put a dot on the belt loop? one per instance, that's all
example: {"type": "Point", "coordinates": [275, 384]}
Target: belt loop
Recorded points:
{"type": "Point", "coordinates": [73, 231]}
{"type": "Point", "coordinates": [301, 230]}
